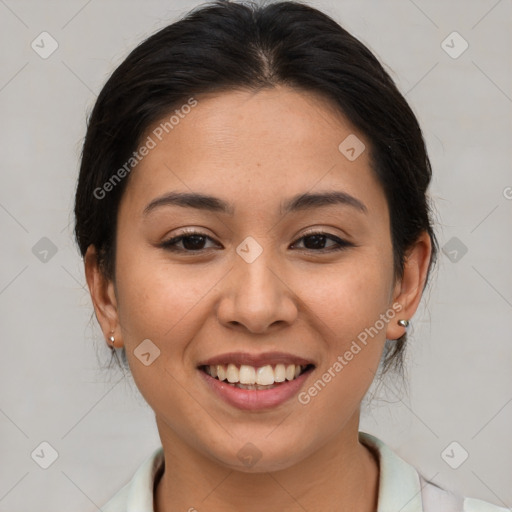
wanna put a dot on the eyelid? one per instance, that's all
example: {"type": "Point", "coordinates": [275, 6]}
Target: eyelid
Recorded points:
{"type": "Point", "coordinates": [341, 243]}
{"type": "Point", "coordinates": [166, 244]}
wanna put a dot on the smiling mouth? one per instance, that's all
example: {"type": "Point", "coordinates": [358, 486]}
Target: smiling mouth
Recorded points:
{"type": "Point", "coordinates": [255, 378]}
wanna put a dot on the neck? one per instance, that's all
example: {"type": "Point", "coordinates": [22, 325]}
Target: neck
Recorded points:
{"type": "Point", "coordinates": [341, 475]}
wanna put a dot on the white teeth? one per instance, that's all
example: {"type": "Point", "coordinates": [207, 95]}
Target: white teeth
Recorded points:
{"type": "Point", "coordinates": [290, 372]}
{"type": "Point", "coordinates": [280, 373]}
{"type": "Point", "coordinates": [265, 375]}
{"type": "Point", "coordinates": [221, 371]}
{"type": "Point", "coordinates": [232, 373]}
{"type": "Point", "coordinates": [249, 375]}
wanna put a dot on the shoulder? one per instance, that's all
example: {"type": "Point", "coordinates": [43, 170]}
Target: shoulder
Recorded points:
{"type": "Point", "coordinates": [137, 494]}
{"type": "Point", "coordinates": [436, 499]}
{"type": "Point", "coordinates": [475, 505]}
{"type": "Point", "coordinates": [119, 502]}
{"type": "Point", "coordinates": [402, 487]}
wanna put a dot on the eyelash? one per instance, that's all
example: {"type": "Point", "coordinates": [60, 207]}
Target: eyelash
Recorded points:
{"type": "Point", "coordinates": [170, 244]}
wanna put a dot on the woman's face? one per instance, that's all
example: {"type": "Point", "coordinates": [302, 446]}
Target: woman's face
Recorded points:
{"type": "Point", "coordinates": [256, 288]}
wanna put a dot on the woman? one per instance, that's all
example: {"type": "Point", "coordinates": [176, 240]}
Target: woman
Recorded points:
{"type": "Point", "coordinates": [252, 213]}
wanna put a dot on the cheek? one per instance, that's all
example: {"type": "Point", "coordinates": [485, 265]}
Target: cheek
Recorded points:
{"type": "Point", "coordinates": [162, 303]}
{"type": "Point", "coordinates": [351, 310]}
{"type": "Point", "coordinates": [170, 305]}
{"type": "Point", "coordinates": [157, 299]}
{"type": "Point", "coordinates": [349, 298]}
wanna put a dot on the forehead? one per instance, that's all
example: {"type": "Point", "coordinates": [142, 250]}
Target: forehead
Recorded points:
{"type": "Point", "coordinates": [255, 148]}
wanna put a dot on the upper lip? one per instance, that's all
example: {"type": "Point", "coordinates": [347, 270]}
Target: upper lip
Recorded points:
{"type": "Point", "coordinates": [256, 360]}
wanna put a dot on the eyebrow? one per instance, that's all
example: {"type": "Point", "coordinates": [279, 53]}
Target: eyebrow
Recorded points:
{"type": "Point", "coordinates": [300, 202]}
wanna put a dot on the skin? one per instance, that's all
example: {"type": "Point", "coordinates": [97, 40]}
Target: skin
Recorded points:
{"type": "Point", "coordinates": [256, 150]}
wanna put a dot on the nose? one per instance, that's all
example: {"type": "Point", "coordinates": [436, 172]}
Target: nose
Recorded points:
{"type": "Point", "coordinates": [256, 296]}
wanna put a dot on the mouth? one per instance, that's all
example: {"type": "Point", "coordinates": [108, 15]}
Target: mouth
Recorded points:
{"type": "Point", "coordinates": [248, 377]}
{"type": "Point", "coordinates": [255, 382]}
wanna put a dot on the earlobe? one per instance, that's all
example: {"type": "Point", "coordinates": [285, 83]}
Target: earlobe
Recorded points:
{"type": "Point", "coordinates": [102, 293]}
{"type": "Point", "coordinates": [409, 290]}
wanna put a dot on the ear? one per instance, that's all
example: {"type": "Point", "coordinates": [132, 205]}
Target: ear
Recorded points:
{"type": "Point", "coordinates": [103, 296]}
{"type": "Point", "coordinates": [408, 290]}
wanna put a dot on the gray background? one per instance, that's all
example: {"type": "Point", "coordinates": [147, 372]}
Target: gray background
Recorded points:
{"type": "Point", "coordinates": [54, 387]}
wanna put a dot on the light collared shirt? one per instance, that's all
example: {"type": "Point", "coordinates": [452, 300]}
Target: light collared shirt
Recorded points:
{"type": "Point", "coordinates": [401, 487]}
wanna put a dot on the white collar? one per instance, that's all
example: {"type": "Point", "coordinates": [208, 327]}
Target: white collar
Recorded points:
{"type": "Point", "coordinates": [401, 487]}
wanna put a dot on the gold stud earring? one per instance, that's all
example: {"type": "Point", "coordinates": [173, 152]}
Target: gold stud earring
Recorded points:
{"type": "Point", "coordinates": [112, 341]}
{"type": "Point", "coordinates": [403, 323]}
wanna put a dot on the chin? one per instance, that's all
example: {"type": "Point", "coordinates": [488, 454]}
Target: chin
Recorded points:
{"type": "Point", "coordinates": [259, 455]}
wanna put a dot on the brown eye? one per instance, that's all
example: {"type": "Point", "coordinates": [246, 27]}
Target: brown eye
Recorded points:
{"type": "Point", "coordinates": [190, 242]}
{"type": "Point", "coordinates": [317, 242]}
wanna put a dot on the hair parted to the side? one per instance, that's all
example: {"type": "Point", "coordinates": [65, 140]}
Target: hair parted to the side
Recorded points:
{"type": "Point", "coordinates": [222, 46]}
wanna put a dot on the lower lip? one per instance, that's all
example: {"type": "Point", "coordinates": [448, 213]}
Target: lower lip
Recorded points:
{"type": "Point", "coordinates": [253, 399]}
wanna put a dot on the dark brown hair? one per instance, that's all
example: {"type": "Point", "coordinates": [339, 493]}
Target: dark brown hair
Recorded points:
{"type": "Point", "coordinates": [224, 46]}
